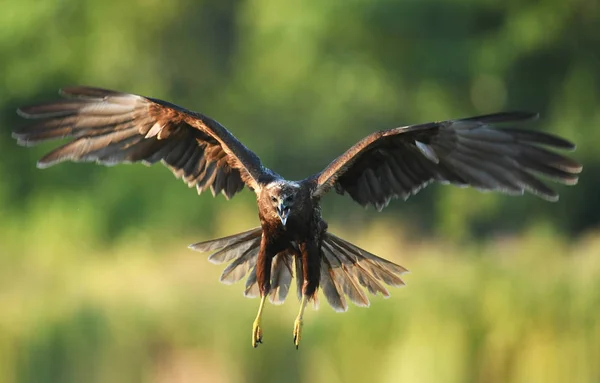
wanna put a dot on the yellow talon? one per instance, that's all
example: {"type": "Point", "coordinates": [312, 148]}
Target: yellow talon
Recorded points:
{"type": "Point", "coordinates": [256, 333]}
{"type": "Point", "coordinates": [297, 332]}
{"type": "Point", "coordinates": [256, 330]}
{"type": "Point", "coordinates": [298, 323]}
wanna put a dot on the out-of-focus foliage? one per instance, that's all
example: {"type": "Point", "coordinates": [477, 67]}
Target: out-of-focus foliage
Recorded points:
{"type": "Point", "coordinates": [505, 311]}
{"type": "Point", "coordinates": [93, 288]}
{"type": "Point", "coordinates": [300, 82]}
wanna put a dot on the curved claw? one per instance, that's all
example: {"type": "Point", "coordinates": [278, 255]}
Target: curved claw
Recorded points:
{"type": "Point", "coordinates": [256, 334]}
{"type": "Point", "coordinates": [298, 331]}
{"type": "Point", "coordinates": [256, 330]}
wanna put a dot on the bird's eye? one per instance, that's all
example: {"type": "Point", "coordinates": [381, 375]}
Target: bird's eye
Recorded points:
{"type": "Point", "coordinates": [274, 199]}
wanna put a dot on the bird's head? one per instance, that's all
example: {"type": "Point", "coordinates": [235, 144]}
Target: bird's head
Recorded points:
{"type": "Point", "coordinates": [281, 196]}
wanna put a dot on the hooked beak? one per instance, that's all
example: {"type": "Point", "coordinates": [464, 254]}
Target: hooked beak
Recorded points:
{"type": "Point", "coordinates": [283, 212]}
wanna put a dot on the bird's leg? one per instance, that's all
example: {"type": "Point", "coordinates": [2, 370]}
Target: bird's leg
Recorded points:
{"type": "Point", "coordinates": [263, 278]}
{"type": "Point", "coordinates": [298, 322]}
{"type": "Point", "coordinates": [256, 330]}
{"type": "Point", "coordinates": [311, 262]}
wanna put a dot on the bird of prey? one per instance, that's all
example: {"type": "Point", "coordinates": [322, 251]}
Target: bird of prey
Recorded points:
{"type": "Point", "coordinates": [111, 127]}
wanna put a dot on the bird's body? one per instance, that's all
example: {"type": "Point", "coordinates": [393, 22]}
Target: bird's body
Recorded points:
{"type": "Point", "coordinates": [301, 234]}
{"type": "Point", "coordinates": [111, 127]}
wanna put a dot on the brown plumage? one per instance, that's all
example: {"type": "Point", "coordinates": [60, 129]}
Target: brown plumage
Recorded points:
{"type": "Point", "coordinates": [110, 127]}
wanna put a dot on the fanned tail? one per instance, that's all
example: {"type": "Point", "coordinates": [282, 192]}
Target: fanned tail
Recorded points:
{"type": "Point", "coordinates": [346, 269]}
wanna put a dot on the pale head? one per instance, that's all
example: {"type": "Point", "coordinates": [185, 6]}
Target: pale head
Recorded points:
{"type": "Point", "coordinates": [281, 196]}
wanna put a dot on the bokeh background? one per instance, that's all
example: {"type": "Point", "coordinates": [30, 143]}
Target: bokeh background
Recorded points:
{"type": "Point", "coordinates": [96, 282]}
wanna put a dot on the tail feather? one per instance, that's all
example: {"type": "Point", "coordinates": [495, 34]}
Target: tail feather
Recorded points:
{"type": "Point", "coordinates": [382, 269]}
{"type": "Point", "coordinates": [346, 269]}
{"type": "Point", "coordinates": [251, 290]}
{"type": "Point", "coordinates": [234, 250]}
{"type": "Point", "coordinates": [299, 274]}
{"type": "Point", "coordinates": [220, 243]}
{"type": "Point", "coordinates": [344, 278]}
{"type": "Point", "coordinates": [331, 288]}
{"type": "Point", "coordinates": [241, 249]}
{"type": "Point", "coordinates": [238, 269]}
{"type": "Point", "coordinates": [345, 266]}
{"type": "Point", "coordinates": [281, 277]}
{"type": "Point", "coordinates": [364, 277]}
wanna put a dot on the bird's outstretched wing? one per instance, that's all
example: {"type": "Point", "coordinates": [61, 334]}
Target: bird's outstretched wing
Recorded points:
{"type": "Point", "coordinates": [467, 152]}
{"type": "Point", "coordinates": [111, 127]}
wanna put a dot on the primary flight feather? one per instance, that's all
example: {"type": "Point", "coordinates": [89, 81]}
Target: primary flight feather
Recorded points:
{"type": "Point", "coordinates": [110, 127]}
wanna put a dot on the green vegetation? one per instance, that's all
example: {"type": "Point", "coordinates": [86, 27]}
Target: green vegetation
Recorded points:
{"type": "Point", "coordinates": [150, 310]}
{"type": "Point", "coordinates": [96, 284]}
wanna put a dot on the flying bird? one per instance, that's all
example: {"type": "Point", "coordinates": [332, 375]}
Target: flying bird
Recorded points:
{"type": "Point", "coordinates": [111, 127]}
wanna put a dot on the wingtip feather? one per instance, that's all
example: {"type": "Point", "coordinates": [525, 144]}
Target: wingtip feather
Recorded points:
{"type": "Point", "coordinates": [85, 91]}
{"type": "Point", "coordinates": [22, 113]}
{"type": "Point", "coordinates": [44, 164]}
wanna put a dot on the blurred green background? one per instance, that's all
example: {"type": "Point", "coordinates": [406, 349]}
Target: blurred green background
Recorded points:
{"type": "Point", "coordinates": [96, 283]}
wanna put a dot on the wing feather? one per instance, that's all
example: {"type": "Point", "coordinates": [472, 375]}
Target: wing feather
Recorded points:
{"type": "Point", "coordinates": [111, 127]}
{"type": "Point", "coordinates": [469, 152]}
